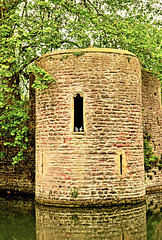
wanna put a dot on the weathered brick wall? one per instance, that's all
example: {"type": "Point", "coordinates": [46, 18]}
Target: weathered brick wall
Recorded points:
{"type": "Point", "coordinates": [152, 123]}
{"type": "Point", "coordinates": [18, 178]}
{"type": "Point", "coordinates": [154, 202]}
{"type": "Point", "coordinates": [56, 223]}
{"type": "Point", "coordinates": [84, 168]}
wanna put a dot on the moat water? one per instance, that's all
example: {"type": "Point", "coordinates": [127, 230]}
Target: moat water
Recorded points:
{"type": "Point", "coordinates": [24, 220]}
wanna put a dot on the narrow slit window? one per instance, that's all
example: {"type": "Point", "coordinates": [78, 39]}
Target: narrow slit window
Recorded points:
{"type": "Point", "coordinates": [42, 163]}
{"type": "Point", "coordinates": [123, 236]}
{"type": "Point", "coordinates": [78, 114]}
{"type": "Point", "coordinates": [121, 163]}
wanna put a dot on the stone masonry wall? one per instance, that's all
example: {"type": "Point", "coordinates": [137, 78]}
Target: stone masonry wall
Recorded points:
{"type": "Point", "coordinates": [84, 167]}
{"type": "Point", "coordinates": [18, 178]}
{"type": "Point", "coordinates": [21, 177]}
{"type": "Point", "coordinates": [152, 123]}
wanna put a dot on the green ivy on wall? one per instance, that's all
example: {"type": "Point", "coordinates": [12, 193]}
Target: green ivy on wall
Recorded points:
{"type": "Point", "coordinates": [150, 159]}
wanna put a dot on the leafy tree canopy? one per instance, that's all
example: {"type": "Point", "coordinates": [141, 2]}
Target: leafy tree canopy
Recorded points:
{"type": "Point", "coordinates": [30, 28]}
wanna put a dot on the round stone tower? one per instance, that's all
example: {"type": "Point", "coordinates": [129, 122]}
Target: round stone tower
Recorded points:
{"type": "Point", "coordinates": [89, 138]}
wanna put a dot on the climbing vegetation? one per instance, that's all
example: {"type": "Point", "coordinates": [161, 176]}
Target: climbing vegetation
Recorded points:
{"type": "Point", "coordinates": [74, 192]}
{"type": "Point", "coordinates": [150, 159]}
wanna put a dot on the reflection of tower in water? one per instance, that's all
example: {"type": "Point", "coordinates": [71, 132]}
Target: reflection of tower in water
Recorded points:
{"type": "Point", "coordinates": [112, 224]}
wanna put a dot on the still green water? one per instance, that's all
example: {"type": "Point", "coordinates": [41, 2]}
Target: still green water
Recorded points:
{"type": "Point", "coordinates": [23, 220]}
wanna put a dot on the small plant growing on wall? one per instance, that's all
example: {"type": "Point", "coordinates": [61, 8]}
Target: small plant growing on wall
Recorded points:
{"type": "Point", "coordinates": [150, 159]}
{"type": "Point", "coordinates": [74, 192]}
